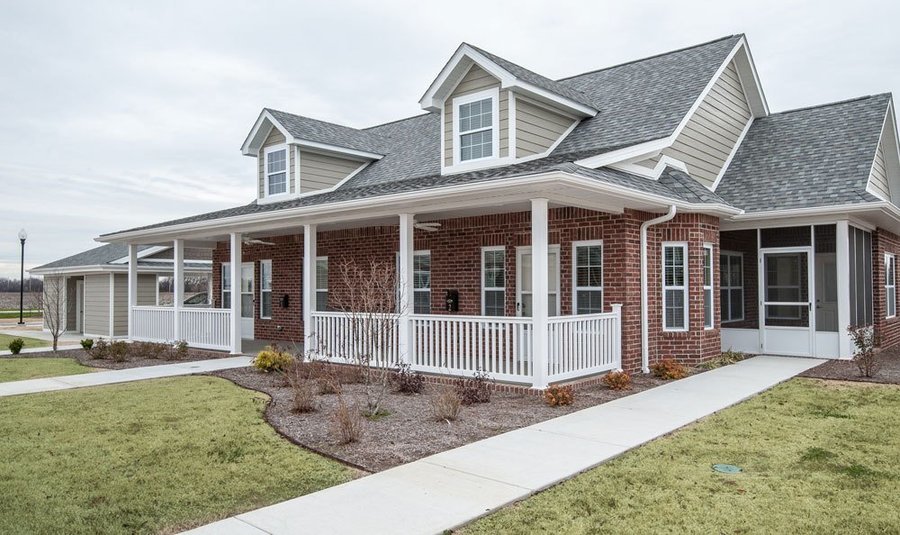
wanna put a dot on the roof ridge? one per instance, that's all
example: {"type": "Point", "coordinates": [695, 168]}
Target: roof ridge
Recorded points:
{"type": "Point", "coordinates": [835, 103]}
{"type": "Point", "coordinates": [308, 118]}
{"type": "Point", "coordinates": [654, 56]}
{"type": "Point", "coordinates": [397, 120]}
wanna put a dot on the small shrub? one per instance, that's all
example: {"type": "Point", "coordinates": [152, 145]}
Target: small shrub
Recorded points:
{"type": "Point", "coordinates": [100, 350]}
{"type": "Point", "coordinates": [556, 396]}
{"type": "Point", "coordinates": [346, 423]}
{"type": "Point", "coordinates": [668, 369]}
{"type": "Point", "coordinates": [617, 380]}
{"type": "Point", "coordinates": [445, 404]}
{"type": "Point", "coordinates": [725, 359]}
{"type": "Point", "coordinates": [87, 344]}
{"type": "Point", "coordinates": [15, 346]}
{"type": "Point", "coordinates": [408, 381]}
{"type": "Point", "coordinates": [474, 390]}
{"type": "Point", "coordinates": [272, 359]}
{"type": "Point", "coordinates": [303, 387]}
{"type": "Point", "coordinates": [866, 339]}
{"type": "Point", "coordinates": [177, 351]}
{"type": "Point", "coordinates": [118, 351]}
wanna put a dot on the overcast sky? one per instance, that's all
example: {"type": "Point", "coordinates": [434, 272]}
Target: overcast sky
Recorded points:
{"type": "Point", "coordinates": [115, 116]}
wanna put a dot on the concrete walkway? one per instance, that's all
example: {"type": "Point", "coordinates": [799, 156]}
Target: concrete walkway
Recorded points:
{"type": "Point", "coordinates": [66, 382]}
{"type": "Point", "coordinates": [452, 488]}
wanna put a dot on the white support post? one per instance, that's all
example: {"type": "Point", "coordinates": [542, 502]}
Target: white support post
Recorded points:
{"type": "Point", "coordinates": [310, 342]}
{"type": "Point", "coordinates": [236, 292]}
{"type": "Point", "coordinates": [405, 283]}
{"type": "Point", "coordinates": [540, 249]}
{"type": "Point", "coordinates": [178, 287]}
{"type": "Point", "coordinates": [617, 310]}
{"type": "Point", "coordinates": [132, 286]}
{"type": "Point", "coordinates": [842, 259]}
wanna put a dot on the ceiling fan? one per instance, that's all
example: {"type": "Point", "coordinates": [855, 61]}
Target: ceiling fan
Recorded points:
{"type": "Point", "coordinates": [427, 226]}
{"type": "Point", "coordinates": [253, 241]}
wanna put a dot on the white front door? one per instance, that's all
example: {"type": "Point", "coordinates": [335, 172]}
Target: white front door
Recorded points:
{"type": "Point", "coordinates": [786, 291]}
{"type": "Point", "coordinates": [524, 295]}
{"type": "Point", "coordinates": [826, 292]}
{"type": "Point", "coordinates": [247, 300]}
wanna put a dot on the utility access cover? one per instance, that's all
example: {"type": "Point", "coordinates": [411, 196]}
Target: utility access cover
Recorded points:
{"type": "Point", "coordinates": [726, 468]}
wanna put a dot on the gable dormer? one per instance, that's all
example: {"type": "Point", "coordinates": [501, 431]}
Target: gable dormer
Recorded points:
{"type": "Point", "coordinates": [884, 176]}
{"type": "Point", "coordinates": [298, 156]}
{"type": "Point", "coordinates": [495, 112]}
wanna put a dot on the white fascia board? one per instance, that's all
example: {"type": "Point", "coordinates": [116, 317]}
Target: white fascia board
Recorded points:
{"type": "Point", "coordinates": [734, 150]}
{"type": "Point", "coordinates": [149, 251]}
{"type": "Point", "coordinates": [646, 172]}
{"type": "Point", "coordinates": [334, 149]}
{"type": "Point", "coordinates": [249, 148]}
{"type": "Point", "coordinates": [100, 269]}
{"type": "Point", "coordinates": [818, 211]}
{"type": "Point", "coordinates": [627, 153]}
{"type": "Point", "coordinates": [747, 71]}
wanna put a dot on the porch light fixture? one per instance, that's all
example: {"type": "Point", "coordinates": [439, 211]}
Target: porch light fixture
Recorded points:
{"type": "Point", "coordinates": [22, 237]}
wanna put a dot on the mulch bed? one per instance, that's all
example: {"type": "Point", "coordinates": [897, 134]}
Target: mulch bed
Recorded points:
{"type": "Point", "coordinates": [409, 431]}
{"type": "Point", "coordinates": [84, 358]}
{"type": "Point", "coordinates": [846, 370]}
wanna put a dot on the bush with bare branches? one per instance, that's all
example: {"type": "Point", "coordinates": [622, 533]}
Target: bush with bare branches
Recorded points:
{"type": "Point", "coordinates": [445, 404]}
{"type": "Point", "coordinates": [866, 339]}
{"type": "Point", "coordinates": [346, 422]}
{"type": "Point", "coordinates": [53, 307]}
{"type": "Point", "coordinates": [299, 376]}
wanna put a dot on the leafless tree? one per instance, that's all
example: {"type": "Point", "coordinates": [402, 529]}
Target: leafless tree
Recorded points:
{"type": "Point", "coordinates": [54, 306]}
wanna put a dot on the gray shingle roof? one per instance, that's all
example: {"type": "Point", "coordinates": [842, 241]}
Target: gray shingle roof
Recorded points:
{"type": "Point", "coordinates": [92, 257]}
{"type": "Point", "coordinates": [819, 156]}
{"type": "Point", "coordinates": [318, 131]}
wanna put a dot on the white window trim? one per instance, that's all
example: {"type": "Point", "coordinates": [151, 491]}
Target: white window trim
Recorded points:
{"type": "Point", "coordinates": [422, 290]}
{"type": "Point", "coordinates": [889, 259]}
{"type": "Point", "coordinates": [263, 290]}
{"type": "Point", "coordinates": [226, 266]}
{"type": "Point", "coordinates": [575, 287]}
{"type": "Point", "coordinates": [728, 287]}
{"type": "Point", "coordinates": [710, 287]}
{"type": "Point", "coordinates": [319, 290]}
{"type": "Point", "coordinates": [485, 289]}
{"type": "Point", "coordinates": [494, 95]}
{"type": "Point", "coordinates": [287, 171]}
{"type": "Point", "coordinates": [684, 288]}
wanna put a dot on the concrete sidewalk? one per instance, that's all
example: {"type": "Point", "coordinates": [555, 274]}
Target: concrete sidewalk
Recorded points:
{"type": "Point", "coordinates": [452, 488]}
{"type": "Point", "coordinates": [65, 382]}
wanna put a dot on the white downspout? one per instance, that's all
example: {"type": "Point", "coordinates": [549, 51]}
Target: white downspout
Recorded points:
{"type": "Point", "coordinates": [645, 327]}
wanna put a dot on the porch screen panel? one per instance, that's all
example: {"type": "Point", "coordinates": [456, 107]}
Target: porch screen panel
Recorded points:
{"type": "Point", "coordinates": [785, 237]}
{"type": "Point", "coordinates": [786, 281]}
{"type": "Point", "coordinates": [861, 308]}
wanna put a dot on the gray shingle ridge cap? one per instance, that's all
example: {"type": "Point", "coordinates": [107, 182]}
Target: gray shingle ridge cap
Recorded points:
{"type": "Point", "coordinates": [395, 121]}
{"type": "Point", "coordinates": [654, 56]}
{"type": "Point", "coordinates": [888, 95]}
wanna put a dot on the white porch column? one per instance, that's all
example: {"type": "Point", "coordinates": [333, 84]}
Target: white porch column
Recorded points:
{"type": "Point", "coordinates": [309, 287]}
{"type": "Point", "coordinates": [540, 249]}
{"type": "Point", "coordinates": [178, 286]}
{"type": "Point", "coordinates": [132, 286]}
{"type": "Point", "coordinates": [842, 258]}
{"type": "Point", "coordinates": [405, 282]}
{"type": "Point", "coordinates": [236, 292]}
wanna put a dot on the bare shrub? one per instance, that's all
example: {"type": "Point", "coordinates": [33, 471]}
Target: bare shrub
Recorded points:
{"type": "Point", "coordinates": [303, 386]}
{"type": "Point", "coordinates": [556, 396]}
{"type": "Point", "coordinates": [346, 422]}
{"type": "Point", "coordinates": [866, 339]}
{"type": "Point", "coordinates": [445, 404]}
{"type": "Point", "coordinates": [617, 380]}
{"type": "Point", "coordinates": [100, 349]}
{"type": "Point", "coordinates": [118, 351]}
{"type": "Point", "coordinates": [475, 389]}
{"type": "Point", "coordinates": [408, 381]}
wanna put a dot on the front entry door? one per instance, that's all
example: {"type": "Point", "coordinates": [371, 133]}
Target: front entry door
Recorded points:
{"type": "Point", "coordinates": [79, 306]}
{"type": "Point", "coordinates": [826, 292]}
{"type": "Point", "coordinates": [524, 295]}
{"type": "Point", "coordinates": [247, 300]}
{"type": "Point", "coordinates": [786, 306]}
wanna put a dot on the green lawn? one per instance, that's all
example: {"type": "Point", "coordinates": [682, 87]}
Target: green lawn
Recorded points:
{"type": "Point", "coordinates": [145, 457]}
{"type": "Point", "coordinates": [817, 458]}
{"type": "Point", "coordinates": [5, 339]}
{"type": "Point", "coordinates": [15, 313]}
{"type": "Point", "coordinates": [18, 369]}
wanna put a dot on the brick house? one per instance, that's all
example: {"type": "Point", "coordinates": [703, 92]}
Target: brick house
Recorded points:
{"type": "Point", "coordinates": [659, 207]}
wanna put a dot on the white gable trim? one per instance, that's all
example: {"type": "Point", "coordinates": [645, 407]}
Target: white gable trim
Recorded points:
{"type": "Point", "coordinates": [734, 150]}
{"type": "Point", "coordinates": [652, 174]}
{"type": "Point", "coordinates": [888, 141]}
{"type": "Point", "coordinates": [149, 251]}
{"type": "Point", "coordinates": [254, 141]}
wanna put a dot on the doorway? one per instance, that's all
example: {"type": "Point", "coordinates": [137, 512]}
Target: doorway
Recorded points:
{"type": "Point", "coordinates": [786, 278]}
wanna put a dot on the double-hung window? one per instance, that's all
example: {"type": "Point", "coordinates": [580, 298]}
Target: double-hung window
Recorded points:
{"type": "Point", "coordinates": [890, 284]}
{"type": "Point", "coordinates": [265, 289]}
{"type": "Point", "coordinates": [675, 287]}
{"type": "Point", "coordinates": [493, 281]}
{"type": "Point", "coordinates": [588, 277]}
{"type": "Point", "coordinates": [707, 286]}
{"type": "Point", "coordinates": [422, 282]}
{"type": "Point", "coordinates": [276, 170]}
{"type": "Point", "coordinates": [476, 128]}
{"type": "Point", "coordinates": [731, 286]}
{"type": "Point", "coordinates": [321, 283]}
{"type": "Point", "coordinates": [226, 285]}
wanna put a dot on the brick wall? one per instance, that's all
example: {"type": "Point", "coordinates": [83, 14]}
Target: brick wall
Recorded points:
{"type": "Point", "coordinates": [888, 328]}
{"type": "Point", "coordinates": [456, 264]}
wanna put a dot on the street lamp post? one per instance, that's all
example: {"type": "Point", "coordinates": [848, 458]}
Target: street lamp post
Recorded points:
{"type": "Point", "coordinates": [22, 236]}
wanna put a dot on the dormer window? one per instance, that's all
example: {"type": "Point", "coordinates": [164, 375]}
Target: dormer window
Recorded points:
{"type": "Point", "coordinates": [276, 170]}
{"type": "Point", "coordinates": [476, 126]}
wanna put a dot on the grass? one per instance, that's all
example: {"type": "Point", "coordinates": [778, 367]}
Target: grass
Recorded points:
{"type": "Point", "coordinates": [19, 369]}
{"type": "Point", "coordinates": [6, 314]}
{"type": "Point", "coordinates": [5, 339]}
{"type": "Point", "coordinates": [817, 457]}
{"type": "Point", "coordinates": [145, 457]}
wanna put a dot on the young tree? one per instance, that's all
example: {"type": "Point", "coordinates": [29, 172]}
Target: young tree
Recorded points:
{"type": "Point", "coordinates": [54, 306]}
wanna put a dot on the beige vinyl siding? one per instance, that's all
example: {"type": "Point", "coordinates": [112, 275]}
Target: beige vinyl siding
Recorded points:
{"type": "Point", "coordinates": [96, 304]}
{"type": "Point", "coordinates": [146, 290]}
{"type": "Point", "coordinates": [275, 138]}
{"type": "Point", "coordinates": [120, 305]}
{"type": "Point", "coordinates": [710, 135]}
{"type": "Point", "coordinates": [878, 180]}
{"type": "Point", "coordinates": [649, 163]}
{"type": "Point", "coordinates": [476, 79]}
{"type": "Point", "coordinates": [537, 128]}
{"type": "Point", "coordinates": [318, 171]}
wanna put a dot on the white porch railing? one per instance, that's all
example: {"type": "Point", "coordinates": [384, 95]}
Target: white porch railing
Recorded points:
{"type": "Point", "coordinates": [584, 345]}
{"type": "Point", "coordinates": [206, 328]}
{"type": "Point", "coordinates": [345, 337]}
{"type": "Point", "coordinates": [460, 345]}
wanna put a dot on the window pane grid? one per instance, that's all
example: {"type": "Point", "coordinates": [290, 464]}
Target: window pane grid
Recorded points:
{"type": "Point", "coordinates": [731, 285]}
{"type": "Point", "coordinates": [493, 282]}
{"type": "Point", "coordinates": [588, 279]}
{"type": "Point", "coordinates": [265, 289]}
{"type": "Point", "coordinates": [276, 172]}
{"type": "Point", "coordinates": [707, 287]}
{"type": "Point", "coordinates": [674, 287]}
{"type": "Point", "coordinates": [321, 284]}
{"type": "Point", "coordinates": [890, 284]}
{"type": "Point", "coordinates": [422, 283]}
{"type": "Point", "coordinates": [476, 132]}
